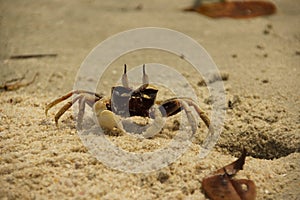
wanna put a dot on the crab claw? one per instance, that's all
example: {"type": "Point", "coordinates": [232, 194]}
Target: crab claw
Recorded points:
{"type": "Point", "coordinates": [107, 119]}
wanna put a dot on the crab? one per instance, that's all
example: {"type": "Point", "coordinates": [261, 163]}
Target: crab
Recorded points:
{"type": "Point", "coordinates": [127, 102]}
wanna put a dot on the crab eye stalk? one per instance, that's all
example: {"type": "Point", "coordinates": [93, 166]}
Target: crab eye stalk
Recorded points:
{"type": "Point", "coordinates": [125, 68]}
{"type": "Point", "coordinates": [145, 76]}
{"type": "Point", "coordinates": [124, 77]}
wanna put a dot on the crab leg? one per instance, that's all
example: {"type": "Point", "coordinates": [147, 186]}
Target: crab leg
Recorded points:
{"type": "Point", "coordinates": [84, 99]}
{"type": "Point", "coordinates": [157, 124]}
{"type": "Point", "coordinates": [64, 109]}
{"type": "Point", "coordinates": [174, 105]}
{"type": "Point", "coordinates": [200, 112]}
{"type": "Point", "coordinates": [81, 102]}
{"type": "Point", "coordinates": [190, 116]}
{"type": "Point", "coordinates": [66, 96]}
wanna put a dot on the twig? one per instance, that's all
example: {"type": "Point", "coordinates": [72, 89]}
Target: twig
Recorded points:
{"type": "Point", "coordinates": [28, 56]}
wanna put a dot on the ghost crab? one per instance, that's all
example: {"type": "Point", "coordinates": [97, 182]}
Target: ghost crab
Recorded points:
{"type": "Point", "coordinates": [127, 102]}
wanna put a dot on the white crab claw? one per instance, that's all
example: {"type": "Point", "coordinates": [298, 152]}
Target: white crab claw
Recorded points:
{"type": "Point", "coordinates": [107, 119]}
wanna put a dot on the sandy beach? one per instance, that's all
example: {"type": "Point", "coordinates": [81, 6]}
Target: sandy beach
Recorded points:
{"type": "Point", "coordinates": [260, 58]}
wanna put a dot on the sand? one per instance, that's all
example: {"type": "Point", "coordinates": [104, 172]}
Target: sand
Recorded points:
{"type": "Point", "coordinates": [260, 57]}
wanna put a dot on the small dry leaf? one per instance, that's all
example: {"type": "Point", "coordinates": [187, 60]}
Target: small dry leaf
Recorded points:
{"type": "Point", "coordinates": [235, 9]}
{"type": "Point", "coordinates": [221, 186]}
{"type": "Point", "coordinates": [16, 83]}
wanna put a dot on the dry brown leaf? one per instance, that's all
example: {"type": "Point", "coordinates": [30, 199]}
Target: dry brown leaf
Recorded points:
{"type": "Point", "coordinates": [235, 9]}
{"type": "Point", "coordinates": [221, 186]}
